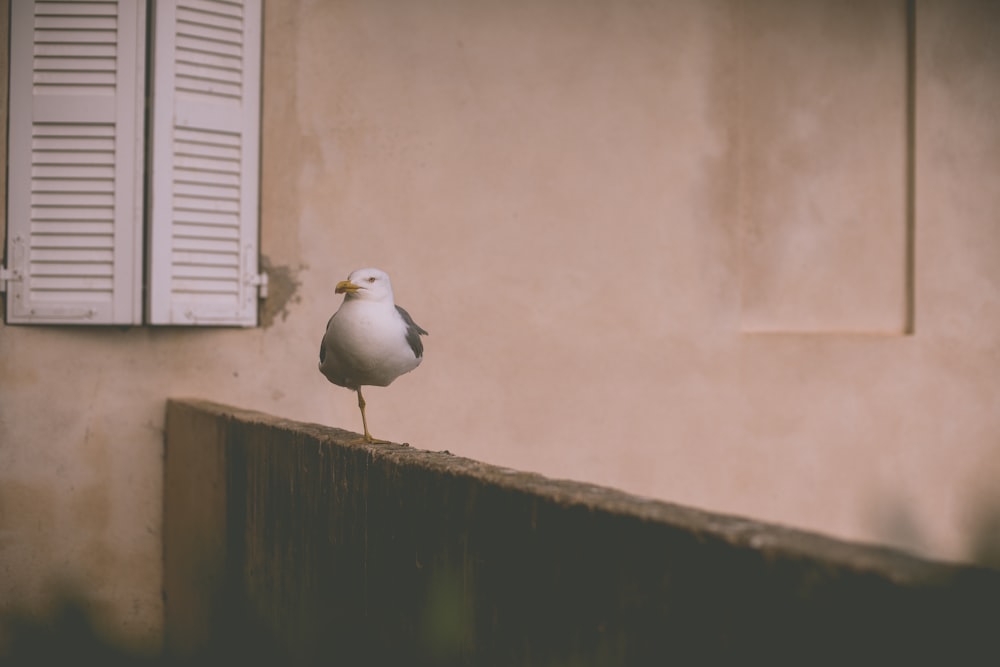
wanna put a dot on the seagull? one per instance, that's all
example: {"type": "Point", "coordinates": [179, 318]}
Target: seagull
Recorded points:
{"type": "Point", "coordinates": [369, 340]}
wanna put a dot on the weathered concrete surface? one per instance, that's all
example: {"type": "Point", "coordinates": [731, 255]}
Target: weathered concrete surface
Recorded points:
{"type": "Point", "coordinates": [354, 554]}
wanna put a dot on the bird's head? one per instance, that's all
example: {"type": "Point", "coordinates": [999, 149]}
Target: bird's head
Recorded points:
{"type": "Point", "coordinates": [366, 284]}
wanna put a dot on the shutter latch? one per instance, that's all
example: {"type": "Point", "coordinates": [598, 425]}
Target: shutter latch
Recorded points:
{"type": "Point", "coordinates": [260, 282]}
{"type": "Point", "coordinates": [7, 275]}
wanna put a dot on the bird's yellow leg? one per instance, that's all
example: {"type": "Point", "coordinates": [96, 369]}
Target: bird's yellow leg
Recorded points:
{"type": "Point", "coordinates": [364, 421]}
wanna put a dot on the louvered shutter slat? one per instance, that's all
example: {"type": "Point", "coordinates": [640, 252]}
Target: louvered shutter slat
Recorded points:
{"type": "Point", "coordinates": [205, 163]}
{"type": "Point", "coordinates": [75, 186]}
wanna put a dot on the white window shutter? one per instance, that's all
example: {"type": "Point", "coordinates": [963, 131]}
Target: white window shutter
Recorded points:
{"type": "Point", "coordinates": [74, 217]}
{"type": "Point", "coordinates": [203, 208]}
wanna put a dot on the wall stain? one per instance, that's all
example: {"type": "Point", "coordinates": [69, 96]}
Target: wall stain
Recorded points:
{"type": "Point", "coordinates": [282, 289]}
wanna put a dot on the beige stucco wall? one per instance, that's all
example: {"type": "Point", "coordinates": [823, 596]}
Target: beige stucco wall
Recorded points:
{"type": "Point", "coordinates": [665, 247]}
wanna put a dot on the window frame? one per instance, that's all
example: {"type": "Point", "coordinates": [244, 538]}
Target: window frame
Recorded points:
{"type": "Point", "coordinates": [138, 264]}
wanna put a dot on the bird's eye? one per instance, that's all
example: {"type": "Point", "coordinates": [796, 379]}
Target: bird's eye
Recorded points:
{"type": "Point", "coordinates": [372, 279]}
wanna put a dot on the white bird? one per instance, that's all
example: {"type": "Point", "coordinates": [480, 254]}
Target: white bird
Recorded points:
{"type": "Point", "coordinates": [369, 340]}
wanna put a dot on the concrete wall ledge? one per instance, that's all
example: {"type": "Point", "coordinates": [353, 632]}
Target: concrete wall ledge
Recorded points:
{"type": "Point", "coordinates": [284, 541]}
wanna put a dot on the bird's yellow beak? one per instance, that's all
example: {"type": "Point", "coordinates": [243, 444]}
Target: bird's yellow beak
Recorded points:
{"type": "Point", "coordinates": [346, 286]}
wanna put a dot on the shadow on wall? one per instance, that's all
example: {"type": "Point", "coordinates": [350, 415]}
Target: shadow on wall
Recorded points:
{"type": "Point", "coordinates": [985, 544]}
{"type": "Point", "coordinates": [64, 635]}
{"type": "Point", "coordinates": [896, 524]}
{"type": "Point", "coordinates": [67, 634]}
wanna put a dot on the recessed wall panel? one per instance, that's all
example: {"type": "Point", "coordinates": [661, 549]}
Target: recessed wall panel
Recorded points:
{"type": "Point", "coordinates": [824, 167]}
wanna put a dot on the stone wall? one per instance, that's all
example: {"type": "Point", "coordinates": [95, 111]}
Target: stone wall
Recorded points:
{"type": "Point", "coordinates": [285, 541]}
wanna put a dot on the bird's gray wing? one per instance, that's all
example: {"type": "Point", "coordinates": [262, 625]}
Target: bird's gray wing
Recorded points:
{"type": "Point", "coordinates": [413, 333]}
{"type": "Point", "coordinates": [322, 347]}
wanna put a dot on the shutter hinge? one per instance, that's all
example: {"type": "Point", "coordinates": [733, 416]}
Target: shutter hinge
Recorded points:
{"type": "Point", "coordinates": [260, 282]}
{"type": "Point", "coordinates": [7, 275]}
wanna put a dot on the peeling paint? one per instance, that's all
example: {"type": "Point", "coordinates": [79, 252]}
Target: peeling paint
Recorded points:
{"type": "Point", "coordinates": [282, 290]}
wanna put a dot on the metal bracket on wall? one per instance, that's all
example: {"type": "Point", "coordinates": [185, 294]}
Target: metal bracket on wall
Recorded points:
{"type": "Point", "coordinates": [260, 282]}
{"type": "Point", "coordinates": [7, 275]}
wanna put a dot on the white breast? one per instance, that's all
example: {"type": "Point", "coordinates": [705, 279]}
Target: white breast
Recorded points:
{"type": "Point", "coordinates": [365, 344]}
